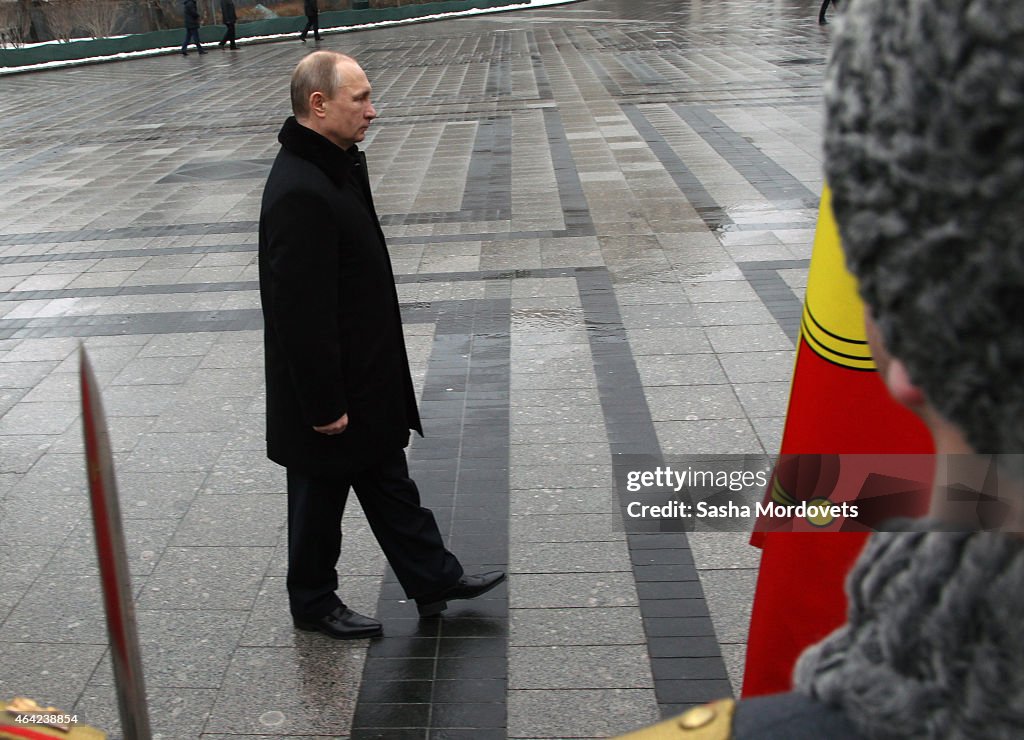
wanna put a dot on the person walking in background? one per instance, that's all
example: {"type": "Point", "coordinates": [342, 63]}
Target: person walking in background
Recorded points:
{"type": "Point", "coordinates": [312, 20]}
{"type": "Point", "coordinates": [191, 28]}
{"type": "Point", "coordinates": [824, 6]}
{"type": "Point", "coordinates": [229, 17]}
{"type": "Point", "coordinates": [340, 398]}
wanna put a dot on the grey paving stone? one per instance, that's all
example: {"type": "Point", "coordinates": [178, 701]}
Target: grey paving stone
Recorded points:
{"type": "Point", "coordinates": [552, 591]}
{"type": "Point", "coordinates": [731, 313]}
{"type": "Point", "coordinates": [562, 501]}
{"type": "Point", "coordinates": [182, 648]}
{"type": "Point", "coordinates": [579, 713]}
{"type": "Point", "coordinates": [177, 452]}
{"type": "Point", "coordinates": [769, 431]}
{"type": "Point", "coordinates": [206, 578]}
{"type": "Point", "coordinates": [692, 402]}
{"type": "Point", "coordinates": [157, 371]}
{"type": "Point", "coordinates": [674, 341]}
{"type": "Point", "coordinates": [245, 471]}
{"type": "Point", "coordinates": [568, 474]}
{"type": "Point", "coordinates": [289, 696]}
{"type": "Point", "coordinates": [174, 712]}
{"type": "Point", "coordinates": [757, 367]}
{"type": "Point", "coordinates": [51, 520]}
{"type": "Point", "coordinates": [580, 667]}
{"type": "Point", "coordinates": [728, 593]}
{"type": "Point", "coordinates": [723, 550]}
{"type": "Point", "coordinates": [56, 673]}
{"type": "Point", "coordinates": [708, 436]}
{"type": "Point", "coordinates": [38, 418]}
{"type": "Point", "coordinates": [145, 540]}
{"type": "Point", "coordinates": [162, 495]}
{"type": "Point", "coordinates": [756, 337]}
{"type": "Point", "coordinates": [571, 557]}
{"type": "Point", "coordinates": [566, 528]}
{"type": "Point", "coordinates": [576, 626]}
{"type": "Point", "coordinates": [676, 370]}
{"type": "Point", "coordinates": [233, 520]}
{"type": "Point", "coordinates": [59, 608]}
{"type": "Point", "coordinates": [764, 399]}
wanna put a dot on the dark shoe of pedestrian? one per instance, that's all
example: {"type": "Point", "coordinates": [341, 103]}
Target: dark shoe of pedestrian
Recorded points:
{"type": "Point", "coordinates": [233, 47]}
{"type": "Point", "coordinates": [468, 587]}
{"type": "Point", "coordinates": [184, 53]}
{"type": "Point", "coordinates": [221, 44]}
{"type": "Point", "coordinates": [342, 624]}
{"type": "Point", "coordinates": [302, 38]}
{"type": "Point", "coordinates": [202, 51]}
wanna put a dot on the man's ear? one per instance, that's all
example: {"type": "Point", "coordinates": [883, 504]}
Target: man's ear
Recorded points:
{"type": "Point", "coordinates": [316, 104]}
{"type": "Point", "coordinates": [900, 386]}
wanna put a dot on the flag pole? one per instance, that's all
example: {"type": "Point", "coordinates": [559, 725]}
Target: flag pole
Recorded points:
{"type": "Point", "coordinates": [110, 548]}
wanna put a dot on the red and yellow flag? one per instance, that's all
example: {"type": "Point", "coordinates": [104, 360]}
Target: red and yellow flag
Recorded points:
{"type": "Point", "coordinates": [838, 405]}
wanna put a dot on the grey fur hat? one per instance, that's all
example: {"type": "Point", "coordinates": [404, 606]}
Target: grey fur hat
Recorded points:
{"type": "Point", "coordinates": [924, 149]}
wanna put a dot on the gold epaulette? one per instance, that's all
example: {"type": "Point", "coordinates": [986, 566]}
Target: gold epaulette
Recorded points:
{"type": "Point", "coordinates": [22, 718]}
{"type": "Point", "coordinates": [708, 722]}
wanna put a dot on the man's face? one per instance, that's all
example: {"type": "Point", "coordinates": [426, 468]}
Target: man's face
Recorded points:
{"type": "Point", "coordinates": [347, 113]}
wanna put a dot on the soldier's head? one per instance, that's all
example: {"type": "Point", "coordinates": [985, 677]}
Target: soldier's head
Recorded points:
{"type": "Point", "coordinates": [331, 95]}
{"type": "Point", "coordinates": [924, 148]}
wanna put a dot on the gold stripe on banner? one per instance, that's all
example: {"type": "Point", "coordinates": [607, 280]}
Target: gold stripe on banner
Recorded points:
{"type": "Point", "coordinates": [833, 320]}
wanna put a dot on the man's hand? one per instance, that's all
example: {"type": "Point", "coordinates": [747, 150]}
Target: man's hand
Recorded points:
{"type": "Point", "coordinates": [335, 427]}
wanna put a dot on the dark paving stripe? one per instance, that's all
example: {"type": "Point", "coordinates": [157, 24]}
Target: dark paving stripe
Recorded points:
{"type": "Point", "coordinates": [131, 232]}
{"type": "Point", "coordinates": [104, 325]}
{"type": "Point", "coordinates": [489, 178]}
{"type": "Point", "coordinates": [125, 290]}
{"type": "Point", "coordinates": [775, 293]}
{"type": "Point", "coordinates": [167, 322]}
{"type": "Point", "coordinates": [540, 72]}
{"type": "Point", "coordinates": [672, 602]}
{"type": "Point", "coordinates": [761, 171]}
{"type": "Point", "coordinates": [689, 185]}
{"type": "Point", "coordinates": [575, 211]}
{"type": "Point", "coordinates": [19, 259]}
{"type": "Point", "coordinates": [228, 287]}
{"type": "Point", "coordinates": [448, 676]}
{"type": "Point", "coordinates": [499, 69]}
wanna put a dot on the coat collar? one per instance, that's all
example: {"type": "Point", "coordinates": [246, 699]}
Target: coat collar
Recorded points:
{"type": "Point", "coordinates": [306, 143]}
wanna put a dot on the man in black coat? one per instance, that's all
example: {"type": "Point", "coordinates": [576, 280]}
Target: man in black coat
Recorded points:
{"type": "Point", "coordinates": [312, 19]}
{"type": "Point", "coordinates": [229, 17]}
{"type": "Point", "coordinates": [191, 14]}
{"type": "Point", "coordinates": [340, 399]}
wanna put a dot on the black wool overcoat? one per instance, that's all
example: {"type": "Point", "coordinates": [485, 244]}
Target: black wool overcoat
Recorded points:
{"type": "Point", "coordinates": [191, 14]}
{"type": "Point", "coordinates": [332, 326]}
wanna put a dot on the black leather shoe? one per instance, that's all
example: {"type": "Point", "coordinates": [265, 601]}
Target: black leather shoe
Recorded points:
{"type": "Point", "coordinates": [468, 587]}
{"type": "Point", "coordinates": [342, 624]}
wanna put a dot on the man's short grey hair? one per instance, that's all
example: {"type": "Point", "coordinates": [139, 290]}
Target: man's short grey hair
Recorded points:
{"type": "Point", "coordinates": [320, 71]}
{"type": "Point", "coordinates": [924, 150]}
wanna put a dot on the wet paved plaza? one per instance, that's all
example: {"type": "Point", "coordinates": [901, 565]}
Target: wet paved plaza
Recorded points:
{"type": "Point", "coordinates": [600, 217]}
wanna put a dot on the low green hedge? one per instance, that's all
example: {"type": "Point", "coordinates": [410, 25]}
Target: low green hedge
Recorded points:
{"type": "Point", "coordinates": [213, 33]}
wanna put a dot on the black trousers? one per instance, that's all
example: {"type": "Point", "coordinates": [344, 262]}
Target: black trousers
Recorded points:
{"type": "Point", "coordinates": [406, 532]}
{"type": "Point", "coordinates": [229, 35]}
{"type": "Point", "coordinates": [824, 7]}
{"type": "Point", "coordinates": [312, 22]}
